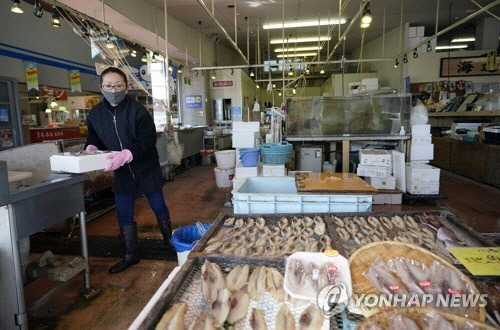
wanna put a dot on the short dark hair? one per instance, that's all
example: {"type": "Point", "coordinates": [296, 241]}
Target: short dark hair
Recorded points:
{"type": "Point", "coordinates": [112, 69]}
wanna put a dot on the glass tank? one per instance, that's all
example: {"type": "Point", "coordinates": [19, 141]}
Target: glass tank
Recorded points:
{"type": "Point", "coordinates": [380, 114]}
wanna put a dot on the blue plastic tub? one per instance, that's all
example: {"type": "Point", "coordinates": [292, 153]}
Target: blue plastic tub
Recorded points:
{"type": "Point", "coordinates": [249, 158]}
{"type": "Point", "coordinates": [185, 238]}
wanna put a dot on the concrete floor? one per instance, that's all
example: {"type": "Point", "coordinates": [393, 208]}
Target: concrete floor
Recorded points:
{"type": "Point", "coordinates": [192, 197]}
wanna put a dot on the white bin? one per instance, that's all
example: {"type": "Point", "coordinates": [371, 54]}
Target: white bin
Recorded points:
{"type": "Point", "coordinates": [226, 159]}
{"type": "Point", "coordinates": [224, 177]}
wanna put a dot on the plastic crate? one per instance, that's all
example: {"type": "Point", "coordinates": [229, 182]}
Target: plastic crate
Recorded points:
{"type": "Point", "coordinates": [276, 157]}
{"type": "Point", "coordinates": [262, 195]}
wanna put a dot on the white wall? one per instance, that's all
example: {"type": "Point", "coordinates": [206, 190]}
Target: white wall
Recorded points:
{"type": "Point", "coordinates": [196, 116]}
{"type": "Point", "coordinates": [388, 75]}
{"type": "Point", "coordinates": [426, 68]}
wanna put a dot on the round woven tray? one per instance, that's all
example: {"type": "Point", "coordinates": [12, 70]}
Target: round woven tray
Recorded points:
{"type": "Point", "coordinates": [363, 257]}
{"type": "Point", "coordinates": [382, 318]}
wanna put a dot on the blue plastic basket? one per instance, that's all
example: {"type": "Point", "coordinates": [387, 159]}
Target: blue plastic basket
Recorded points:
{"type": "Point", "coordinates": [250, 159]}
{"type": "Point", "coordinates": [185, 238]}
{"type": "Point", "coordinates": [281, 146]}
{"type": "Point", "coordinates": [276, 157]}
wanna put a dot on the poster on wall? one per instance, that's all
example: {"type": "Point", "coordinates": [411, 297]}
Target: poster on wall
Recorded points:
{"type": "Point", "coordinates": [54, 94]}
{"type": "Point", "coordinates": [31, 71]}
{"type": "Point", "coordinates": [75, 81]}
{"type": "Point", "coordinates": [236, 113]}
{"type": "Point", "coordinates": [225, 83]}
{"type": "Point", "coordinates": [193, 102]}
{"type": "Point", "coordinates": [467, 66]}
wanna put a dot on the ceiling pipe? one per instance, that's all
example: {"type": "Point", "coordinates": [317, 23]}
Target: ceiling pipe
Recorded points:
{"type": "Point", "coordinates": [451, 27]}
{"type": "Point", "coordinates": [224, 32]}
{"type": "Point", "coordinates": [291, 63]}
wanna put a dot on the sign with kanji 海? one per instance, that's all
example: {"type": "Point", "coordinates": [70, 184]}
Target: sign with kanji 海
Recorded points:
{"type": "Point", "coordinates": [469, 66]}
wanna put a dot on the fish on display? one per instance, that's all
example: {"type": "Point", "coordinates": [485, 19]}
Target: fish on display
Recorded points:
{"type": "Point", "coordinates": [173, 318]}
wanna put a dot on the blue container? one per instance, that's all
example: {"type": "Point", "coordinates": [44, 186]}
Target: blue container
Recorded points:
{"type": "Point", "coordinates": [185, 238]}
{"type": "Point", "coordinates": [250, 159]}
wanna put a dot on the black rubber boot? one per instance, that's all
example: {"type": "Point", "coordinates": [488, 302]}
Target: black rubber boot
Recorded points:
{"type": "Point", "coordinates": [129, 234]}
{"type": "Point", "coordinates": [166, 230]}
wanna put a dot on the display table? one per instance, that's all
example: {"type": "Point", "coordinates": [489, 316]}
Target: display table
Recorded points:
{"type": "Point", "coordinates": [347, 139]}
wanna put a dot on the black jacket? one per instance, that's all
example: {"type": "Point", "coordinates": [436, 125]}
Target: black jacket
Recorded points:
{"type": "Point", "coordinates": [135, 131]}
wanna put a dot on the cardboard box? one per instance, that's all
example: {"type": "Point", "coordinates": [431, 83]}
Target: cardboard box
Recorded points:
{"type": "Point", "coordinates": [248, 126]}
{"type": "Point", "coordinates": [422, 152]}
{"type": "Point", "coordinates": [79, 163]}
{"type": "Point", "coordinates": [420, 129]}
{"type": "Point", "coordinates": [379, 183]}
{"type": "Point", "coordinates": [247, 172]}
{"type": "Point", "coordinates": [389, 199]}
{"type": "Point", "coordinates": [274, 170]}
{"type": "Point", "coordinates": [423, 188]}
{"type": "Point", "coordinates": [418, 172]}
{"type": "Point", "coordinates": [374, 171]}
{"type": "Point", "coordinates": [417, 139]}
{"type": "Point", "coordinates": [375, 157]}
{"type": "Point", "coordinates": [245, 139]}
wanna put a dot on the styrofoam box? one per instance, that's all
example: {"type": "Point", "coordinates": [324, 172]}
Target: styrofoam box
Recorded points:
{"type": "Point", "coordinates": [375, 157]}
{"type": "Point", "coordinates": [369, 81]}
{"type": "Point", "coordinates": [246, 172]}
{"type": "Point", "coordinates": [418, 172]}
{"type": "Point", "coordinates": [273, 170]}
{"type": "Point", "coordinates": [420, 129]}
{"type": "Point", "coordinates": [423, 188]}
{"type": "Point", "coordinates": [79, 164]}
{"type": "Point", "coordinates": [249, 126]}
{"type": "Point", "coordinates": [374, 171]}
{"type": "Point", "coordinates": [390, 199]}
{"type": "Point", "coordinates": [261, 195]}
{"type": "Point", "coordinates": [379, 183]}
{"type": "Point", "coordinates": [417, 139]}
{"type": "Point", "coordinates": [422, 152]}
{"type": "Point", "coordinates": [245, 139]}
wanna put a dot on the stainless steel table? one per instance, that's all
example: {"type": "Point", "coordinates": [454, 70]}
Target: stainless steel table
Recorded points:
{"type": "Point", "coordinates": [27, 211]}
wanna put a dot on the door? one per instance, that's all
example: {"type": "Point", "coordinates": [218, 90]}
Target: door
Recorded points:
{"type": "Point", "coordinates": [10, 117]}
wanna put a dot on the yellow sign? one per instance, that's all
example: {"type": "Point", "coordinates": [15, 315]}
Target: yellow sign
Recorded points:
{"type": "Point", "coordinates": [331, 252]}
{"type": "Point", "coordinates": [479, 261]}
{"type": "Point", "coordinates": [491, 61]}
{"type": "Point", "coordinates": [75, 82]}
{"type": "Point", "coordinates": [31, 71]}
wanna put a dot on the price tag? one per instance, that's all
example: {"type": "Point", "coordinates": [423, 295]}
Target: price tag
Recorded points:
{"type": "Point", "coordinates": [483, 261]}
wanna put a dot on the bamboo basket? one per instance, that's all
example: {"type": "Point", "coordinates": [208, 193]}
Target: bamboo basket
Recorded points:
{"type": "Point", "coordinates": [382, 319]}
{"type": "Point", "coordinates": [362, 258]}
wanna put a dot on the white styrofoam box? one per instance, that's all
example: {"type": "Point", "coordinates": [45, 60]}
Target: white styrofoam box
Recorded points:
{"type": "Point", "coordinates": [369, 87]}
{"type": "Point", "coordinates": [379, 183]}
{"type": "Point", "coordinates": [417, 139]}
{"type": "Point", "coordinates": [420, 129]}
{"type": "Point", "coordinates": [412, 32]}
{"type": "Point", "coordinates": [398, 166]}
{"type": "Point", "coordinates": [246, 172]}
{"type": "Point", "coordinates": [418, 172]}
{"type": "Point", "coordinates": [249, 126]}
{"type": "Point", "coordinates": [374, 157]}
{"type": "Point", "coordinates": [237, 183]}
{"type": "Point", "coordinates": [79, 164]}
{"type": "Point", "coordinates": [261, 195]}
{"type": "Point", "coordinates": [423, 188]}
{"type": "Point", "coordinates": [391, 199]}
{"type": "Point", "coordinates": [374, 171]}
{"type": "Point", "coordinates": [422, 152]}
{"type": "Point", "coordinates": [420, 31]}
{"type": "Point", "coordinates": [369, 82]}
{"type": "Point", "coordinates": [273, 170]}
{"type": "Point", "coordinates": [245, 139]}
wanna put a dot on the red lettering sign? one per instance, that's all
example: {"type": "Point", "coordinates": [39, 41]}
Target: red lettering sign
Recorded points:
{"type": "Point", "coordinates": [223, 83]}
{"type": "Point", "coordinates": [39, 135]}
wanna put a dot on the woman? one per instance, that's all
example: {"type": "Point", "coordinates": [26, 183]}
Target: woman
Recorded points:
{"type": "Point", "coordinates": [119, 123]}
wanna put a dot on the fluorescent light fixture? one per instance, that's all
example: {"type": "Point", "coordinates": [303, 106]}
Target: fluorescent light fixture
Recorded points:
{"type": "Point", "coordinates": [48, 110]}
{"type": "Point", "coordinates": [294, 91]}
{"type": "Point", "coordinates": [300, 39]}
{"type": "Point", "coordinates": [53, 104]}
{"type": "Point", "coordinates": [279, 94]}
{"type": "Point", "coordinates": [133, 54]}
{"type": "Point", "coordinates": [56, 21]}
{"type": "Point", "coordinates": [464, 39]}
{"type": "Point", "coordinates": [274, 85]}
{"type": "Point", "coordinates": [296, 49]}
{"type": "Point", "coordinates": [297, 24]}
{"type": "Point", "coordinates": [295, 55]}
{"type": "Point", "coordinates": [15, 8]}
{"type": "Point", "coordinates": [451, 47]}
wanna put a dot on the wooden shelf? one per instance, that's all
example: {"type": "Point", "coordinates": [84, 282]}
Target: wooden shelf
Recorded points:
{"type": "Point", "coordinates": [495, 113]}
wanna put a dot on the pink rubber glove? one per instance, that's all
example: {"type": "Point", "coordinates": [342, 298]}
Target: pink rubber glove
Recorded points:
{"type": "Point", "coordinates": [91, 148]}
{"type": "Point", "coordinates": [118, 159]}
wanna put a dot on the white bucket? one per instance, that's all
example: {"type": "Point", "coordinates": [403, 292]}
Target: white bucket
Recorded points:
{"type": "Point", "coordinates": [226, 159]}
{"type": "Point", "coordinates": [224, 177]}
